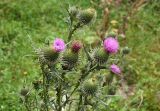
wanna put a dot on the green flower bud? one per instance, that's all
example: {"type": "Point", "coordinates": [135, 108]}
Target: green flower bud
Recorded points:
{"type": "Point", "coordinates": [111, 34]}
{"type": "Point", "coordinates": [24, 92]}
{"type": "Point", "coordinates": [87, 16]}
{"type": "Point", "coordinates": [73, 11]}
{"type": "Point", "coordinates": [42, 106]}
{"type": "Point", "coordinates": [100, 56]}
{"type": "Point", "coordinates": [125, 50]}
{"type": "Point", "coordinates": [112, 90]}
{"type": "Point", "coordinates": [130, 75]}
{"type": "Point", "coordinates": [70, 59]}
{"type": "Point", "coordinates": [37, 84]}
{"type": "Point", "coordinates": [90, 87]}
{"type": "Point", "coordinates": [121, 36]}
{"type": "Point", "coordinates": [108, 79]}
{"type": "Point", "coordinates": [48, 55]}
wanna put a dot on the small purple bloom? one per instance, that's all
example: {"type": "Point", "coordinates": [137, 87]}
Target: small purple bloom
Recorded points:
{"type": "Point", "coordinates": [58, 45]}
{"type": "Point", "coordinates": [111, 45]}
{"type": "Point", "coordinates": [115, 69]}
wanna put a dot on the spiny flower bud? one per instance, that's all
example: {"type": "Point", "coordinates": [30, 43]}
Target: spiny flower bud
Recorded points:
{"type": "Point", "coordinates": [130, 75]}
{"type": "Point", "coordinates": [100, 56]}
{"type": "Point", "coordinates": [87, 16]}
{"type": "Point", "coordinates": [89, 87]}
{"type": "Point", "coordinates": [76, 46]}
{"type": "Point", "coordinates": [125, 50]}
{"type": "Point", "coordinates": [111, 34]}
{"type": "Point", "coordinates": [112, 90]}
{"type": "Point", "coordinates": [73, 11]}
{"type": "Point", "coordinates": [114, 22]}
{"type": "Point", "coordinates": [49, 55]}
{"type": "Point", "coordinates": [42, 105]}
{"type": "Point", "coordinates": [24, 92]}
{"type": "Point", "coordinates": [111, 45]}
{"type": "Point", "coordinates": [70, 59]}
{"type": "Point", "coordinates": [122, 36]}
{"type": "Point", "coordinates": [108, 79]}
{"type": "Point", "coordinates": [115, 69]}
{"type": "Point", "coordinates": [37, 84]}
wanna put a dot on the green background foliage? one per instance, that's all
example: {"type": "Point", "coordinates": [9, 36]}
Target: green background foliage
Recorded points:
{"type": "Point", "coordinates": [43, 20]}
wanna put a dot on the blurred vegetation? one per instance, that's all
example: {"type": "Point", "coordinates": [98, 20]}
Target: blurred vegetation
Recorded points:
{"type": "Point", "coordinates": [43, 20]}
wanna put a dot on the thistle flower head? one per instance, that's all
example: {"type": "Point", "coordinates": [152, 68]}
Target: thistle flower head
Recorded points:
{"type": "Point", "coordinates": [111, 45]}
{"type": "Point", "coordinates": [58, 45]}
{"type": "Point", "coordinates": [76, 46]}
{"type": "Point", "coordinates": [115, 69]}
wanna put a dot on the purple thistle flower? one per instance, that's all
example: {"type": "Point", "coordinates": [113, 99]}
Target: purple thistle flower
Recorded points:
{"type": "Point", "coordinates": [115, 69]}
{"type": "Point", "coordinates": [58, 45]}
{"type": "Point", "coordinates": [111, 45]}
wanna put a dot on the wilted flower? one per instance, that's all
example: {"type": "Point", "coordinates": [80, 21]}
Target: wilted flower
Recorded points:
{"type": "Point", "coordinates": [76, 46]}
{"type": "Point", "coordinates": [111, 45]}
{"type": "Point", "coordinates": [58, 45]}
{"type": "Point", "coordinates": [115, 69]}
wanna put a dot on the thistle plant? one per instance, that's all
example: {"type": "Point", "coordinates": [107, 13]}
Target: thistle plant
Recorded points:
{"type": "Point", "coordinates": [74, 76]}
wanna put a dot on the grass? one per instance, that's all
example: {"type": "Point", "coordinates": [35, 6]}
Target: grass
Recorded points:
{"type": "Point", "coordinates": [43, 20]}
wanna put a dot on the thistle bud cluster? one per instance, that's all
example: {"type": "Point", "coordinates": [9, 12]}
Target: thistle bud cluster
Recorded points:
{"type": "Point", "coordinates": [72, 68]}
{"type": "Point", "coordinates": [84, 17]}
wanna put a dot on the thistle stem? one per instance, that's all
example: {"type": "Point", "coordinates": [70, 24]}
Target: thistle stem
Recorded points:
{"type": "Point", "coordinates": [36, 101]}
{"type": "Point", "coordinates": [72, 30]}
{"type": "Point", "coordinates": [80, 102]}
{"type": "Point", "coordinates": [78, 83]}
{"type": "Point", "coordinates": [45, 88]}
{"type": "Point", "coordinates": [59, 94]}
{"type": "Point", "coordinates": [26, 104]}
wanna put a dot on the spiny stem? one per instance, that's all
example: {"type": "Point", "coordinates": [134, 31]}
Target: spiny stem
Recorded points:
{"type": "Point", "coordinates": [80, 102]}
{"type": "Point", "coordinates": [70, 105]}
{"type": "Point", "coordinates": [45, 88]}
{"type": "Point", "coordinates": [77, 85]}
{"type": "Point", "coordinates": [26, 104]}
{"type": "Point", "coordinates": [59, 94]}
{"type": "Point", "coordinates": [36, 101]}
{"type": "Point", "coordinates": [71, 31]}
